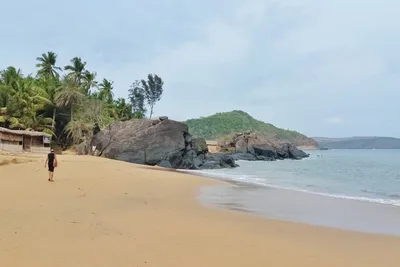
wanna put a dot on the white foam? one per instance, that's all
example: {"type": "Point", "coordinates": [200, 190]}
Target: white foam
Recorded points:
{"type": "Point", "coordinates": [250, 179]}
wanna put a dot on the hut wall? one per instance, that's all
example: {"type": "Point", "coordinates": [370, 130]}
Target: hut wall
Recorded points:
{"type": "Point", "coordinates": [37, 145]}
{"type": "Point", "coordinates": [10, 142]}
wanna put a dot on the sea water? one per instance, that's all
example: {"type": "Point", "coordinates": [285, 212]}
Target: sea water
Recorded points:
{"type": "Point", "coordinates": [350, 189]}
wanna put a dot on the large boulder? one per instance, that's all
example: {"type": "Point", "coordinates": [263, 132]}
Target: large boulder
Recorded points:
{"type": "Point", "coordinates": [161, 142]}
{"type": "Point", "coordinates": [141, 141]}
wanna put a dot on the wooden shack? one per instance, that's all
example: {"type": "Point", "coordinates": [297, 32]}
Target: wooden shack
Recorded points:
{"type": "Point", "coordinates": [20, 141]}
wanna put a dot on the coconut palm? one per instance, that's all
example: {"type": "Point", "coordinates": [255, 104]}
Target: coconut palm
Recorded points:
{"type": "Point", "coordinates": [32, 120]}
{"type": "Point", "coordinates": [105, 91]}
{"type": "Point", "coordinates": [89, 82]}
{"type": "Point", "coordinates": [69, 95]}
{"type": "Point", "coordinates": [79, 130]}
{"type": "Point", "coordinates": [124, 110]}
{"type": "Point", "coordinates": [47, 65]}
{"type": "Point", "coordinates": [76, 69]}
{"type": "Point", "coordinates": [10, 75]}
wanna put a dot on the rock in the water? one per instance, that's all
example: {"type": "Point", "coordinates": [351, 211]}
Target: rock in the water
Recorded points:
{"type": "Point", "coordinates": [227, 161]}
{"type": "Point", "coordinates": [265, 151]}
{"type": "Point", "coordinates": [263, 158]}
{"type": "Point", "coordinates": [296, 153]}
{"type": "Point", "coordinates": [244, 156]}
{"type": "Point", "coordinates": [211, 165]}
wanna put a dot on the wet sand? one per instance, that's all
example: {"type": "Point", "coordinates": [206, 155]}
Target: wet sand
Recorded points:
{"type": "Point", "coordinates": [303, 207]}
{"type": "Point", "coordinates": [101, 212]}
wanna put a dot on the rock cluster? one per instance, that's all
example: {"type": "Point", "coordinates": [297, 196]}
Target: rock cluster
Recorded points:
{"type": "Point", "coordinates": [168, 144]}
{"type": "Point", "coordinates": [161, 141]}
{"type": "Point", "coordinates": [250, 146]}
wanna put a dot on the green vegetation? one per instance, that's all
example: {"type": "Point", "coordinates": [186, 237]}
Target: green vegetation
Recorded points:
{"type": "Point", "coordinates": [228, 123]}
{"type": "Point", "coordinates": [69, 102]}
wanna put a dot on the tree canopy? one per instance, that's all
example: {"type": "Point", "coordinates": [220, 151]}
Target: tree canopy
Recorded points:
{"type": "Point", "coordinates": [68, 102]}
{"type": "Point", "coordinates": [224, 124]}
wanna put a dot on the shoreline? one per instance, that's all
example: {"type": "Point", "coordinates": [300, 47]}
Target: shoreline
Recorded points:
{"type": "Point", "coordinates": [299, 206]}
{"type": "Point", "coordinates": [363, 199]}
{"type": "Point", "coordinates": [304, 208]}
{"type": "Point", "coordinates": [141, 216]}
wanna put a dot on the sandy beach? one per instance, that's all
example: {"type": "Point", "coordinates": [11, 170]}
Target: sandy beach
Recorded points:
{"type": "Point", "coordinates": [100, 212]}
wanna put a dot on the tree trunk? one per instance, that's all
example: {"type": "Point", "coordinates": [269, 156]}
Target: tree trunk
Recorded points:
{"type": "Point", "coordinates": [72, 112]}
{"type": "Point", "coordinates": [151, 111]}
{"type": "Point", "coordinates": [54, 119]}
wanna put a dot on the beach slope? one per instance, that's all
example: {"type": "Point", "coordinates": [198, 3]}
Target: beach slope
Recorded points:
{"type": "Point", "coordinates": [101, 212]}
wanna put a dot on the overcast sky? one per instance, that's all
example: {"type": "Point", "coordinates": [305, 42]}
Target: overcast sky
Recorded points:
{"type": "Point", "coordinates": [321, 67]}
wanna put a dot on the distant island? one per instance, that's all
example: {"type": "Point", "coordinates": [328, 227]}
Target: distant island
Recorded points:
{"type": "Point", "coordinates": [372, 142]}
{"type": "Point", "coordinates": [224, 124]}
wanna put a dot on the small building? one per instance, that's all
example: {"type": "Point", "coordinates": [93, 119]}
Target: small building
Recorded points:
{"type": "Point", "coordinates": [213, 146]}
{"type": "Point", "coordinates": [24, 141]}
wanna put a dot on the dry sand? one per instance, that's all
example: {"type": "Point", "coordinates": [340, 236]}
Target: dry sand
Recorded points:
{"type": "Point", "coordinates": [101, 212]}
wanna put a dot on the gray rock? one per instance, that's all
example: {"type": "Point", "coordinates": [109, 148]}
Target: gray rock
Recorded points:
{"type": "Point", "coordinates": [265, 151]}
{"type": "Point", "coordinates": [241, 146]}
{"type": "Point", "coordinates": [198, 162]}
{"type": "Point", "coordinates": [164, 164]}
{"type": "Point", "coordinates": [200, 146]}
{"type": "Point", "coordinates": [227, 161]}
{"type": "Point", "coordinates": [141, 141]}
{"type": "Point", "coordinates": [82, 148]}
{"type": "Point", "coordinates": [165, 143]}
{"type": "Point", "coordinates": [244, 156]}
{"type": "Point", "coordinates": [210, 165]}
{"type": "Point", "coordinates": [296, 153]}
{"type": "Point", "coordinates": [263, 158]}
{"type": "Point", "coordinates": [188, 137]}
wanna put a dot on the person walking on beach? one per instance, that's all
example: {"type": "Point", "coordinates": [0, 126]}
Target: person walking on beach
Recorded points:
{"type": "Point", "coordinates": [51, 162]}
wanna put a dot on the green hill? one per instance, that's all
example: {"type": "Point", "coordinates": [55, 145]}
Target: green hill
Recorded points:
{"type": "Point", "coordinates": [227, 123]}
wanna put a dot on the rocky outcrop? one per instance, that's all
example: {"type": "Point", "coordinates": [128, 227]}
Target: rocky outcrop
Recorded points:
{"type": "Point", "coordinates": [161, 142]}
{"type": "Point", "coordinates": [167, 143]}
{"type": "Point", "coordinates": [251, 146]}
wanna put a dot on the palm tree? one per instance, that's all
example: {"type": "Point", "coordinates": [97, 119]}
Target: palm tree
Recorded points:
{"type": "Point", "coordinates": [78, 130]}
{"type": "Point", "coordinates": [124, 110]}
{"type": "Point", "coordinates": [47, 65]}
{"type": "Point", "coordinates": [33, 121]}
{"type": "Point", "coordinates": [76, 69]}
{"type": "Point", "coordinates": [89, 81]}
{"type": "Point", "coordinates": [4, 117]}
{"type": "Point", "coordinates": [105, 91]}
{"type": "Point", "coordinates": [69, 95]}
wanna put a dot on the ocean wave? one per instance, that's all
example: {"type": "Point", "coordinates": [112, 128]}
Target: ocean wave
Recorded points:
{"type": "Point", "coordinates": [255, 180]}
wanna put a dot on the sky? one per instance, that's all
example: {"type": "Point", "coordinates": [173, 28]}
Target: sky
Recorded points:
{"type": "Point", "coordinates": [323, 68]}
